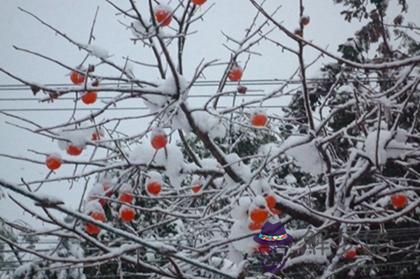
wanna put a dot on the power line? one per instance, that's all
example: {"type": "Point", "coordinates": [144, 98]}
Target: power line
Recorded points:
{"type": "Point", "coordinates": [112, 109]}
{"type": "Point", "coordinates": [110, 98]}
{"type": "Point", "coordinates": [247, 95]}
{"type": "Point", "coordinates": [21, 88]}
{"type": "Point", "coordinates": [207, 82]}
{"type": "Point", "coordinates": [24, 89]}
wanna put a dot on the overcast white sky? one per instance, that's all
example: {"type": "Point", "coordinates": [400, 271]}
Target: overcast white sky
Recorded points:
{"type": "Point", "coordinates": [327, 28]}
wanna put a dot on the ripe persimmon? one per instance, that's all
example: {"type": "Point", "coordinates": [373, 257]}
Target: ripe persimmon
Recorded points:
{"type": "Point", "coordinates": [159, 139]}
{"type": "Point", "coordinates": [255, 226]}
{"type": "Point", "coordinates": [258, 215]}
{"type": "Point", "coordinates": [199, 2]}
{"type": "Point", "coordinates": [74, 150]}
{"type": "Point", "coordinates": [259, 120]}
{"type": "Point", "coordinates": [127, 214]}
{"type": "Point", "coordinates": [196, 188]}
{"type": "Point", "coordinates": [97, 135]}
{"type": "Point", "coordinates": [263, 248]}
{"type": "Point", "coordinates": [163, 15]}
{"type": "Point", "coordinates": [271, 203]}
{"type": "Point", "coordinates": [92, 228]}
{"type": "Point", "coordinates": [153, 188]}
{"type": "Point", "coordinates": [399, 201]}
{"type": "Point", "coordinates": [53, 161]}
{"type": "Point", "coordinates": [127, 197]}
{"type": "Point", "coordinates": [89, 97]}
{"type": "Point", "coordinates": [235, 73]}
{"type": "Point", "coordinates": [77, 78]}
{"type": "Point", "coordinates": [350, 254]}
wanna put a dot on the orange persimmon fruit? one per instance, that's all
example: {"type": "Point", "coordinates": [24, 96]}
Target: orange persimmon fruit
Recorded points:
{"type": "Point", "coordinates": [258, 215]}
{"type": "Point", "coordinates": [127, 214]}
{"type": "Point", "coordinates": [53, 161]}
{"type": "Point", "coordinates": [255, 226]}
{"type": "Point", "coordinates": [163, 16]}
{"type": "Point", "coordinates": [89, 97]}
{"type": "Point", "coordinates": [97, 135]}
{"type": "Point", "coordinates": [399, 201]}
{"type": "Point", "coordinates": [92, 228]}
{"type": "Point", "coordinates": [196, 188]}
{"type": "Point", "coordinates": [350, 254]}
{"type": "Point", "coordinates": [74, 150]}
{"type": "Point", "coordinates": [271, 203]}
{"type": "Point", "coordinates": [159, 139]}
{"type": "Point", "coordinates": [77, 78]}
{"type": "Point", "coordinates": [235, 73]}
{"type": "Point", "coordinates": [199, 2]}
{"type": "Point", "coordinates": [259, 120]}
{"type": "Point", "coordinates": [127, 197]}
{"type": "Point", "coordinates": [154, 188]}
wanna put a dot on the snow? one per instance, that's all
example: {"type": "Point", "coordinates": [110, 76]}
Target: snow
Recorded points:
{"type": "Point", "coordinates": [227, 266]}
{"type": "Point", "coordinates": [154, 176]}
{"type": "Point", "coordinates": [77, 137]}
{"type": "Point", "coordinates": [49, 199]}
{"type": "Point", "coordinates": [316, 259]}
{"type": "Point", "coordinates": [92, 206]}
{"type": "Point", "coordinates": [197, 179]}
{"type": "Point", "coordinates": [97, 190]}
{"type": "Point", "coordinates": [173, 116]}
{"type": "Point", "coordinates": [261, 186]}
{"type": "Point", "coordinates": [167, 87]}
{"type": "Point", "coordinates": [298, 233]}
{"type": "Point", "coordinates": [155, 102]}
{"type": "Point", "coordinates": [164, 8]}
{"type": "Point", "coordinates": [210, 164]}
{"type": "Point", "coordinates": [180, 121]}
{"type": "Point", "coordinates": [388, 147]}
{"type": "Point", "coordinates": [23, 270]}
{"type": "Point", "coordinates": [258, 201]}
{"type": "Point", "coordinates": [150, 256]}
{"type": "Point", "coordinates": [386, 102]}
{"type": "Point", "coordinates": [76, 250]}
{"type": "Point", "coordinates": [164, 248]}
{"type": "Point", "coordinates": [55, 155]}
{"type": "Point", "coordinates": [126, 188]}
{"type": "Point", "coordinates": [245, 245]}
{"type": "Point", "coordinates": [62, 274]}
{"type": "Point", "coordinates": [97, 51]}
{"type": "Point", "coordinates": [172, 159]}
{"type": "Point", "coordinates": [239, 212]}
{"type": "Point", "coordinates": [242, 169]}
{"type": "Point", "coordinates": [124, 208]}
{"type": "Point", "coordinates": [210, 123]}
{"type": "Point", "coordinates": [268, 149]}
{"type": "Point", "coordinates": [401, 136]}
{"type": "Point", "coordinates": [306, 155]}
{"type": "Point", "coordinates": [290, 179]}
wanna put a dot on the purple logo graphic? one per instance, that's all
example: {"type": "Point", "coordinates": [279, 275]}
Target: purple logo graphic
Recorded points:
{"type": "Point", "coordinates": [274, 244]}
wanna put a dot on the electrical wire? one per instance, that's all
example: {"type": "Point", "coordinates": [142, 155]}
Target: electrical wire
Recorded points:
{"type": "Point", "coordinates": [207, 83]}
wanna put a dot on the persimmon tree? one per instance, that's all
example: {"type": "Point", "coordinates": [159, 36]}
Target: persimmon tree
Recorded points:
{"type": "Point", "coordinates": [183, 195]}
